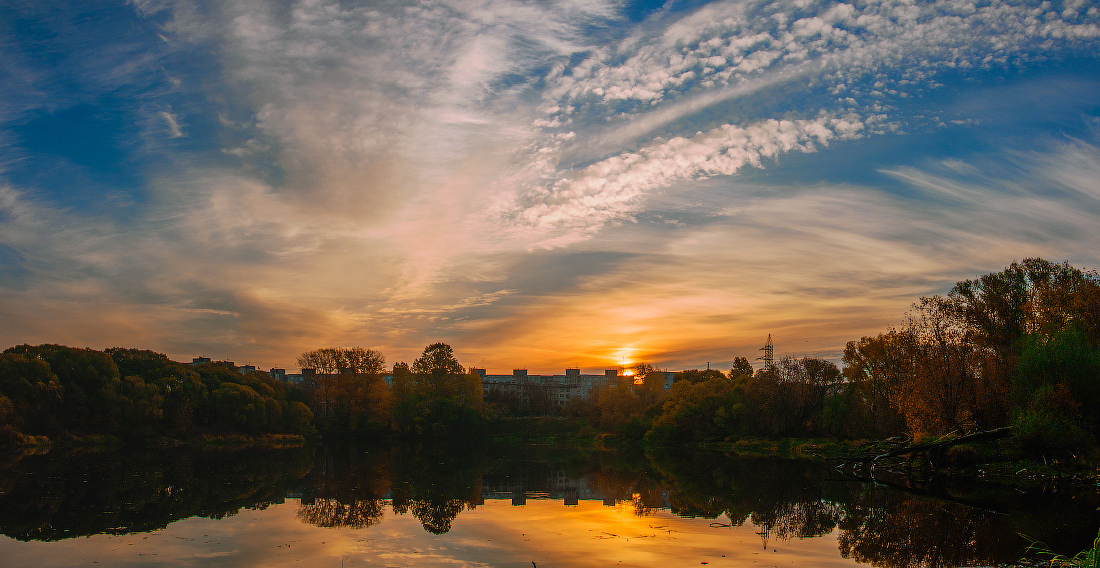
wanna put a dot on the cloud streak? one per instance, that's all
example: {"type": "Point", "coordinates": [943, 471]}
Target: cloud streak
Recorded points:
{"type": "Point", "coordinates": [609, 189]}
{"type": "Point", "coordinates": [391, 174]}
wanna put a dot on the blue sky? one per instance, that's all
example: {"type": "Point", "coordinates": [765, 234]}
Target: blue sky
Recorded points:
{"type": "Point", "coordinates": [540, 184]}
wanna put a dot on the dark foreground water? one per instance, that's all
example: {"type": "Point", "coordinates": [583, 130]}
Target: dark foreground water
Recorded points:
{"type": "Point", "coordinates": [452, 505]}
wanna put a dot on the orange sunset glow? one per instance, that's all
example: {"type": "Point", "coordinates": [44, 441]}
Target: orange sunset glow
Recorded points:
{"type": "Point", "coordinates": [549, 283]}
{"type": "Point", "coordinates": [537, 185]}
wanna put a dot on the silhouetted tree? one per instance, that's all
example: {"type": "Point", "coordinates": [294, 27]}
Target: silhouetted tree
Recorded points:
{"type": "Point", "coordinates": [348, 393]}
{"type": "Point", "coordinates": [741, 367]}
{"type": "Point", "coordinates": [443, 399]}
{"type": "Point", "coordinates": [438, 360]}
{"type": "Point", "coordinates": [698, 375]}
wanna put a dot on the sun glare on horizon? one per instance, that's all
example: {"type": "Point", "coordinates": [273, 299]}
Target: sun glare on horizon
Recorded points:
{"type": "Point", "coordinates": [600, 183]}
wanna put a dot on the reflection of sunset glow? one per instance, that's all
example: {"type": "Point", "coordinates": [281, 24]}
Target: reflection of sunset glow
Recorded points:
{"type": "Point", "coordinates": [546, 532]}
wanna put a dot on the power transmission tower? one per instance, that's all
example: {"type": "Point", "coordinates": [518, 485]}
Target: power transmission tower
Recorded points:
{"type": "Point", "coordinates": [769, 355]}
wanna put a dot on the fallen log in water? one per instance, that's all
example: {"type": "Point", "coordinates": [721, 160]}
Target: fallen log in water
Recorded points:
{"type": "Point", "coordinates": [938, 445]}
{"type": "Point", "coordinates": [930, 451]}
{"type": "Point", "coordinates": [925, 448]}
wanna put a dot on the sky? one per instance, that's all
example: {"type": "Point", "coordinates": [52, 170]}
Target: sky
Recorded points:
{"type": "Point", "coordinates": [540, 184]}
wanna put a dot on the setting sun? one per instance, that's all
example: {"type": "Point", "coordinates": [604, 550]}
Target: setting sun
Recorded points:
{"type": "Point", "coordinates": [625, 357]}
{"type": "Point", "coordinates": [549, 283]}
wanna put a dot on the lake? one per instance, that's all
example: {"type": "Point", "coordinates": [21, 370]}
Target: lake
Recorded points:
{"type": "Point", "coordinates": [463, 505]}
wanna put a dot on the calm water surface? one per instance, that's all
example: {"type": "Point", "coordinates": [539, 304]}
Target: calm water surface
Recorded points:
{"type": "Point", "coordinates": [514, 506]}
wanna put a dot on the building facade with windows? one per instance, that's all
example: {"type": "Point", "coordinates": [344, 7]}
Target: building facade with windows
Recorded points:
{"type": "Point", "coordinates": [558, 389]}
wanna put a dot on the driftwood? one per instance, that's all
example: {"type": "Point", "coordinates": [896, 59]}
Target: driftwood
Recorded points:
{"type": "Point", "coordinates": [933, 446]}
{"type": "Point", "coordinates": [924, 448]}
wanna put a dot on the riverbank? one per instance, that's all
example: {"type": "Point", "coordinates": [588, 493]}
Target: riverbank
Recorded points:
{"type": "Point", "coordinates": [894, 460]}
{"type": "Point", "coordinates": [995, 461]}
{"type": "Point", "coordinates": [44, 444]}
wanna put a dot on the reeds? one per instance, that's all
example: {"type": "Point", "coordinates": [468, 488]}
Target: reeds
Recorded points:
{"type": "Point", "coordinates": [1088, 558]}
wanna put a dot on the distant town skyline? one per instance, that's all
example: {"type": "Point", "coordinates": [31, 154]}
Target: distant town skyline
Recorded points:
{"type": "Point", "coordinates": [585, 184]}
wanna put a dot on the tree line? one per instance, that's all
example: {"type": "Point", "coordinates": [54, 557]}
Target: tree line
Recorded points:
{"type": "Point", "coordinates": [61, 392]}
{"type": "Point", "coordinates": [1018, 348]}
{"type": "Point", "coordinates": [64, 393]}
{"type": "Point", "coordinates": [349, 395]}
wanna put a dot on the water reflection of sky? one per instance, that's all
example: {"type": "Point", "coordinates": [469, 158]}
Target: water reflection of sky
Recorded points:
{"type": "Point", "coordinates": [545, 532]}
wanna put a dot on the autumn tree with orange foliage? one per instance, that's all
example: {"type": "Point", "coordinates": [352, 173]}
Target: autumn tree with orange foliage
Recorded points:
{"type": "Point", "coordinates": [1019, 347]}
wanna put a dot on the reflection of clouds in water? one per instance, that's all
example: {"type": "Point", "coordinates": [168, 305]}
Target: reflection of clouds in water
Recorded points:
{"type": "Point", "coordinates": [665, 511]}
{"type": "Point", "coordinates": [494, 534]}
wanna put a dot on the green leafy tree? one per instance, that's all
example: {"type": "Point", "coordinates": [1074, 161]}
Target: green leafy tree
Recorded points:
{"type": "Point", "coordinates": [699, 375]}
{"type": "Point", "coordinates": [1064, 357]}
{"type": "Point", "coordinates": [89, 381]}
{"type": "Point", "coordinates": [347, 392]}
{"type": "Point", "coordinates": [9, 423]}
{"type": "Point", "coordinates": [443, 400]}
{"type": "Point", "coordinates": [741, 367]}
{"type": "Point", "coordinates": [437, 360]}
{"type": "Point", "coordinates": [708, 411]}
{"type": "Point", "coordinates": [34, 392]}
{"type": "Point", "coordinates": [1057, 393]}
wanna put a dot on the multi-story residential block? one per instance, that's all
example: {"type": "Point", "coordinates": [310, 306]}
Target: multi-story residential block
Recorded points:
{"type": "Point", "coordinates": [559, 389]}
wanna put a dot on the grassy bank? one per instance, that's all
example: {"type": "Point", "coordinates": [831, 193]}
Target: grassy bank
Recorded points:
{"type": "Point", "coordinates": [273, 441]}
{"type": "Point", "coordinates": [544, 430]}
{"type": "Point", "coordinates": [809, 448]}
{"type": "Point", "coordinates": [44, 444]}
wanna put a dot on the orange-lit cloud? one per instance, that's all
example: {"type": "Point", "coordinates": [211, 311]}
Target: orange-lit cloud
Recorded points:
{"type": "Point", "coordinates": [680, 182]}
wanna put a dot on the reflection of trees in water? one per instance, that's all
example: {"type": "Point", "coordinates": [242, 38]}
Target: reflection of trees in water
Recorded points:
{"type": "Point", "coordinates": [796, 499]}
{"type": "Point", "coordinates": [625, 476]}
{"type": "Point", "coordinates": [64, 495]}
{"type": "Point", "coordinates": [57, 495]}
{"type": "Point", "coordinates": [436, 484]}
{"type": "Point", "coordinates": [972, 523]}
{"type": "Point", "coordinates": [435, 516]}
{"type": "Point", "coordinates": [346, 487]}
{"type": "Point", "coordinates": [644, 493]}
{"type": "Point", "coordinates": [782, 497]}
{"type": "Point", "coordinates": [349, 485]}
{"type": "Point", "coordinates": [894, 530]}
{"type": "Point", "coordinates": [797, 519]}
{"type": "Point", "coordinates": [330, 513]}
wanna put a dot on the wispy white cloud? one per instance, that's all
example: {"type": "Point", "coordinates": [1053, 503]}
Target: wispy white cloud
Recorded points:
{"type": "Point", "coordinates": [574, 208]}
{"type": "Point", "coordinates": [173, 124]}
{"type": "Point", "coordinates": [383, 170]}
{"type": "Point", "coordinates": [853, 60]}
{"type": "Point", "coordinates": [814, 266]}
{"type": "Point", "coordinates": [874, 51]}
